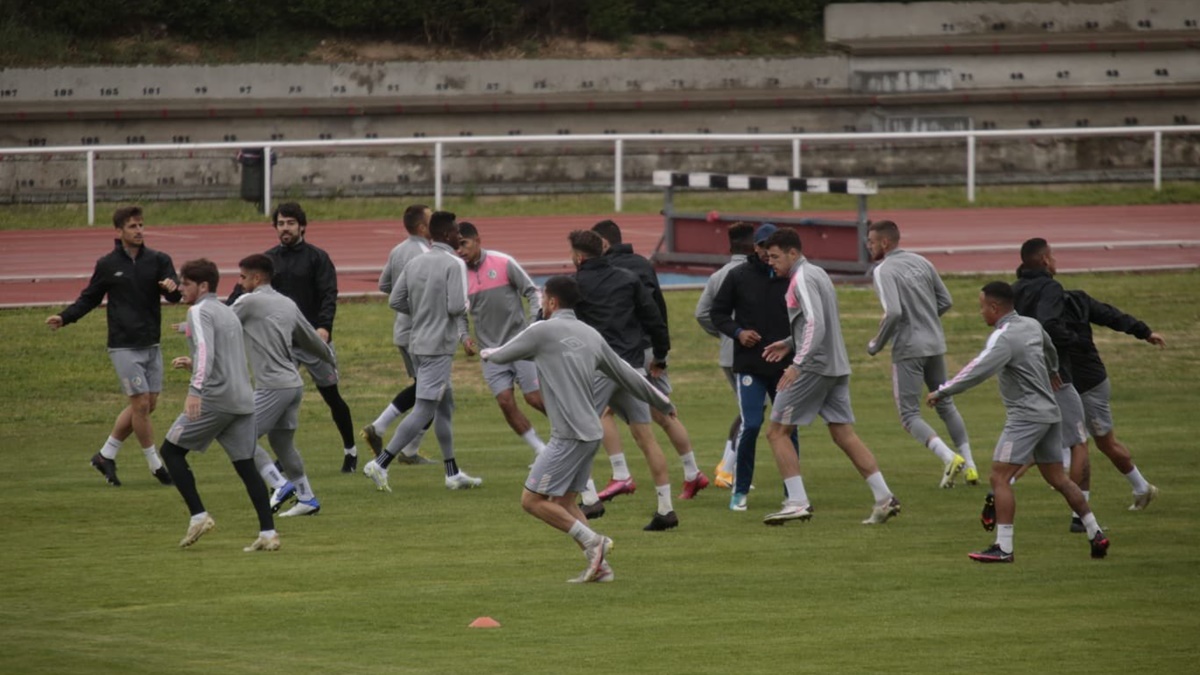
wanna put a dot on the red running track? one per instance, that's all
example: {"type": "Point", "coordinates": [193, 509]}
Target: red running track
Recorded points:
{"type": "Point", "coordinates": [50, 267]}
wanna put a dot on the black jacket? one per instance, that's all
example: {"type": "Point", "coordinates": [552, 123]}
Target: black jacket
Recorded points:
{"type": "Point", "coordinates": [1039, 296]}
{"type": "Point", "coordinates": [618, 305]}
{"type": "Point", "coordinates": [305, 274]}
{"type": "Point", "coordinates": [131, 284]}
{"type": "Point", "coordinates": [1082, 310]}
{"type": "Point", "coordinates": [753, 298]}
{"type": "Point", "coordinates": [622, 255]}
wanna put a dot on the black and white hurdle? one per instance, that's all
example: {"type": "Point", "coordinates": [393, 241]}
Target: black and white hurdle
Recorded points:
{"type": "Point", "coordinates": [700, 239]}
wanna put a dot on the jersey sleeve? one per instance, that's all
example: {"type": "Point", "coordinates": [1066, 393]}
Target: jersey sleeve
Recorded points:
{"type": "Point", "coordinates": [996, 353]}
{"type": "Point", "coordinates": [889, 296]}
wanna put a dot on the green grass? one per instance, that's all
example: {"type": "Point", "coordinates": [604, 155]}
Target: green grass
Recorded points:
{"type": "Point", "coordinates": [53, 216]}
{"type": "Point", "coordinates": [93, 581]}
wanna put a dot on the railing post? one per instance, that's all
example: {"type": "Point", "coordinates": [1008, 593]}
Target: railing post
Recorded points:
{"type": "Point", "coordinates": [618, 170]}
{"type": "Point", "coordinates": [1157, 161]}
{"type": "Point", "coordinates": [795, 171]}
{"type": "Point", "coordinates": [91, 186]}
{"type": "Point", "coordinates": [437, 176]}
{"type": "Point", "coordinates": [267, 180]}
{"type": "Point", "coordinates": [971, 168]}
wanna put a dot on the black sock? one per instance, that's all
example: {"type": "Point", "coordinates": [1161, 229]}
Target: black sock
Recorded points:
{"type": "Point", "coordinates": [257, 489]}
{"type": "Point", "coordinates": [384, 459]}
{"type": "Point", "coordinates": [175, 459]}
{"type": "Point", "coordinates": [340, 412]}
{"type": "Point", "coordinates": [406, 399]}
{"type": "Point", "coordinates": [451, 467]}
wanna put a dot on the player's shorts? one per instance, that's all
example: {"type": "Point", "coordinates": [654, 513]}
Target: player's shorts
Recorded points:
{"type": "Point", "coordinates": [811, 395]}
{"type": "Point", "coordinates": [661, 383]}
{"type": "Point", "coordinates": [564, 466]}
{"type": "Point", "coordinates": [276, 409]}
{"type": "Point", "coordinates": [1073, 431]}
{"type": "Point", "coordinates": [631, 409]}
{"type": "Point", "coordinates": [322, 374]}
{"type": "Point", "coordinates": [139, 370]}
{"type": "Point", "coordinates": [234, 431]}
{"type": "Point", "coordinates": [433, 375]}
{"type": "Point", "coordinates": [408, 361]}
{"type": "Point", "coordinates": [730, 377]}
{"type": "Point", "coordinates": [502, 376]}
{"type": "Point", "coordinates": [1097, 413]}
{"type": "Point", "coordinates": [1025, 442]}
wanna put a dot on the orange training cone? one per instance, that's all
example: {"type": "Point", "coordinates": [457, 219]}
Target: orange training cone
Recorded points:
{"type": "Point", "coordinates": [484, 622]}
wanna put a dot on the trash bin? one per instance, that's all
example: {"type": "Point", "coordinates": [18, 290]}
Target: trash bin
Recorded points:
{"type": "Point", "coordinates": [251, 160]}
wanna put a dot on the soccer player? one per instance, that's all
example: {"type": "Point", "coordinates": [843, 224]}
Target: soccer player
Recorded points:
{"type": "Point", "coordinates": [432, 289]}
{"type": "Point", "coordinates": [914, 299]}
{"type": "Point", "coordinates": [273, 328]}
{"type": "Point", "coordinates": [134, 277]}
{"type": "Point", "coordinates": [219, 405]}
{"type": "Point", "coordinates": [1023, 356]}
{"type": "Point", "coordinates": [495, 286]}
{"type": "Point", "coordinates": [618, 305]}
{"type": "Point", "coordinates": [816, 382]}
{"type": "Point", "coordinates": [621, 256]}
{"type": "Point", "coordinates": [305, 274]}
{"type": "Point", "coordinates": [751, 308]}
{"type": "Point", "coordinates": [568, 354]}
{"type": "Point", "coordinates": [741, 245]}
{"type": "Point", "coordinates": [416, 223]}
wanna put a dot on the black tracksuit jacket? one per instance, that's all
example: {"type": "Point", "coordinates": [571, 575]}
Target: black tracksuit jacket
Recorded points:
{"type": "Point", "coordinates": [1082, 310]}
{"type": "Point", "coordinates": [753, 298]}
{"type": "Point", "coordinates": [618, 305]}
{"type": "Point", "coordinates": [305, 274]}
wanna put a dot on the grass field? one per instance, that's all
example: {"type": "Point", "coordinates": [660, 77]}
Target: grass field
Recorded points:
{"type": "Point", "coordinates": [93, 581]}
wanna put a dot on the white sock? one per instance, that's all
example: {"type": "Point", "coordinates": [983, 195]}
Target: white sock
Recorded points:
{"type": "Point", "coordinates": [965, 451]}
{"type": "Point", "coordinates": [589, 496]}
{"type": "Point", "coordinates": [1140, 486]}
{"type": "Point", "coordinates": [110, 448]}
{"type": "Point", "coordinates": [266, 533]}
{"type": "Point", "coordinates": [385, 419]}
{"type": "Point", "coordinates": [1004, 537]}
{"type": "Point", "coordinates": [414, 447]}
{"type": "Point", "coordinates": [620, 469]}
{"type": "Point", "coordinates": [795, 491]}
{"type": "Point", "coordinates": [199, 517]}
{"type": "Point", "coordinates": [1087, 497]}
{"type": "Point", "coordinates": [582, 533]}
{"type": "Point", "coordinates": [352, 451]}
{"type": "Point", "coordinates": [152, 458]}
{"type": "Point", "coordinates": [879, 487]}
{"type": "Point", "coordinates": [304, 489]}
{"type": "Point", "coordinates": [1089, 521]}
{"type": "Point", "coordinates": [272, 477]}
{"type": "Point", "coordinates": [534, 442]}
{"type": "Point", "coordinates": [729, 459]}
{"type": "Point", "coordinates": [690, 470]}
{"type": "Point", "coordinates": [939, 448]}
{"type": "Point", "coordinates": [664, 498]}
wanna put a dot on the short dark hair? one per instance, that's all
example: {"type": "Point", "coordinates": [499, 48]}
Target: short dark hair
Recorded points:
{"type": "Point", "coordinates": [123, 214]}
{"type": "Point", "coordinates": [587, 243]}
{"type": "Point", "coordinates": [257, 262]}
{"type": "Point", "coordinates": [1032, 249]}
{"type": "Point", "coordinates": [999, 291]}
{"type": "Point", "coordinates": [467, 229]}
{"type": "Point", "coordinates": [565, 290]}
{"type": "Point", "coordinates": [887, 228]}
{"type": "Point", "coordinates": [741, 237]}
{"type": "Point", "coordinates": [784, 238]}
{"type": "Point", "coordinates": [289, 210]}
{"type": "Point", "coordinates": [413, 216]}
{"type": "Point", "coordinates": [201, 271]}
{"type": "Point", "coordinates": [610, 231]}
{"type": "Point", "coordinates": [441, 224]}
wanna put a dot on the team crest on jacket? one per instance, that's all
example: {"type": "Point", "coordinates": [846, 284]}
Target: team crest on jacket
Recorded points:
{"type": "Point", "coordinates": [491, 274]}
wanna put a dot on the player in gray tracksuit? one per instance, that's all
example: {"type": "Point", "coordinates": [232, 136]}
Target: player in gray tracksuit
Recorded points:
{"type": "Point", "coordinates": [1021, 352]}
{"type": "Point", "coordinates": [741, 244]}
{"type": "Point", "coordinates": [432, 290]}
{"type": "Point", "coordinates": [273, 326]}
{"type": "Point", "coordinates": [219, 405]}
{"type": "Point", "coordinates": [416, 223]}
{"type": "Point", "coordinates": [570, 356]}
{"type": "Point", "coordinates": [816, 383]}
{"type": "Point", "coordinates": [914, 299]}
{"type": "Point", "coordinates": [495, 285]}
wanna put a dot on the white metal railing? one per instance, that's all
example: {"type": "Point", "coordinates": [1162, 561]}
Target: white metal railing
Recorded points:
{"type": "Point", "coordinates": [618, 140]}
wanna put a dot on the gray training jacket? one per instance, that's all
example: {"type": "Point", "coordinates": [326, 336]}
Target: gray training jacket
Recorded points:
{"type": "Point", "coordinates": [271, 325]}
{"type": "Point", "coordinates": [816, 327]}
{"type": "Point", "coordinates": [400, 256]}
{"type": "Point", "coordinates": [914, 299]}
{"type": "Point", "coordinates": [568, 353]}
{"type": "Point", "coordinates": [432, 290]}
{"type": "Point", "coordinates": [1024, 356]}
{"type": "Point", "coordinates": [704, 307]}
{"type": "Point", "coordinates": [495, 286]}
{"type": "Point", "coordinates": [219, 374]}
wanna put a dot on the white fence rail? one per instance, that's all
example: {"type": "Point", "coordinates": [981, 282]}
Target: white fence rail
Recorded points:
{"type": "Point", "coordinates": [618, 141]}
